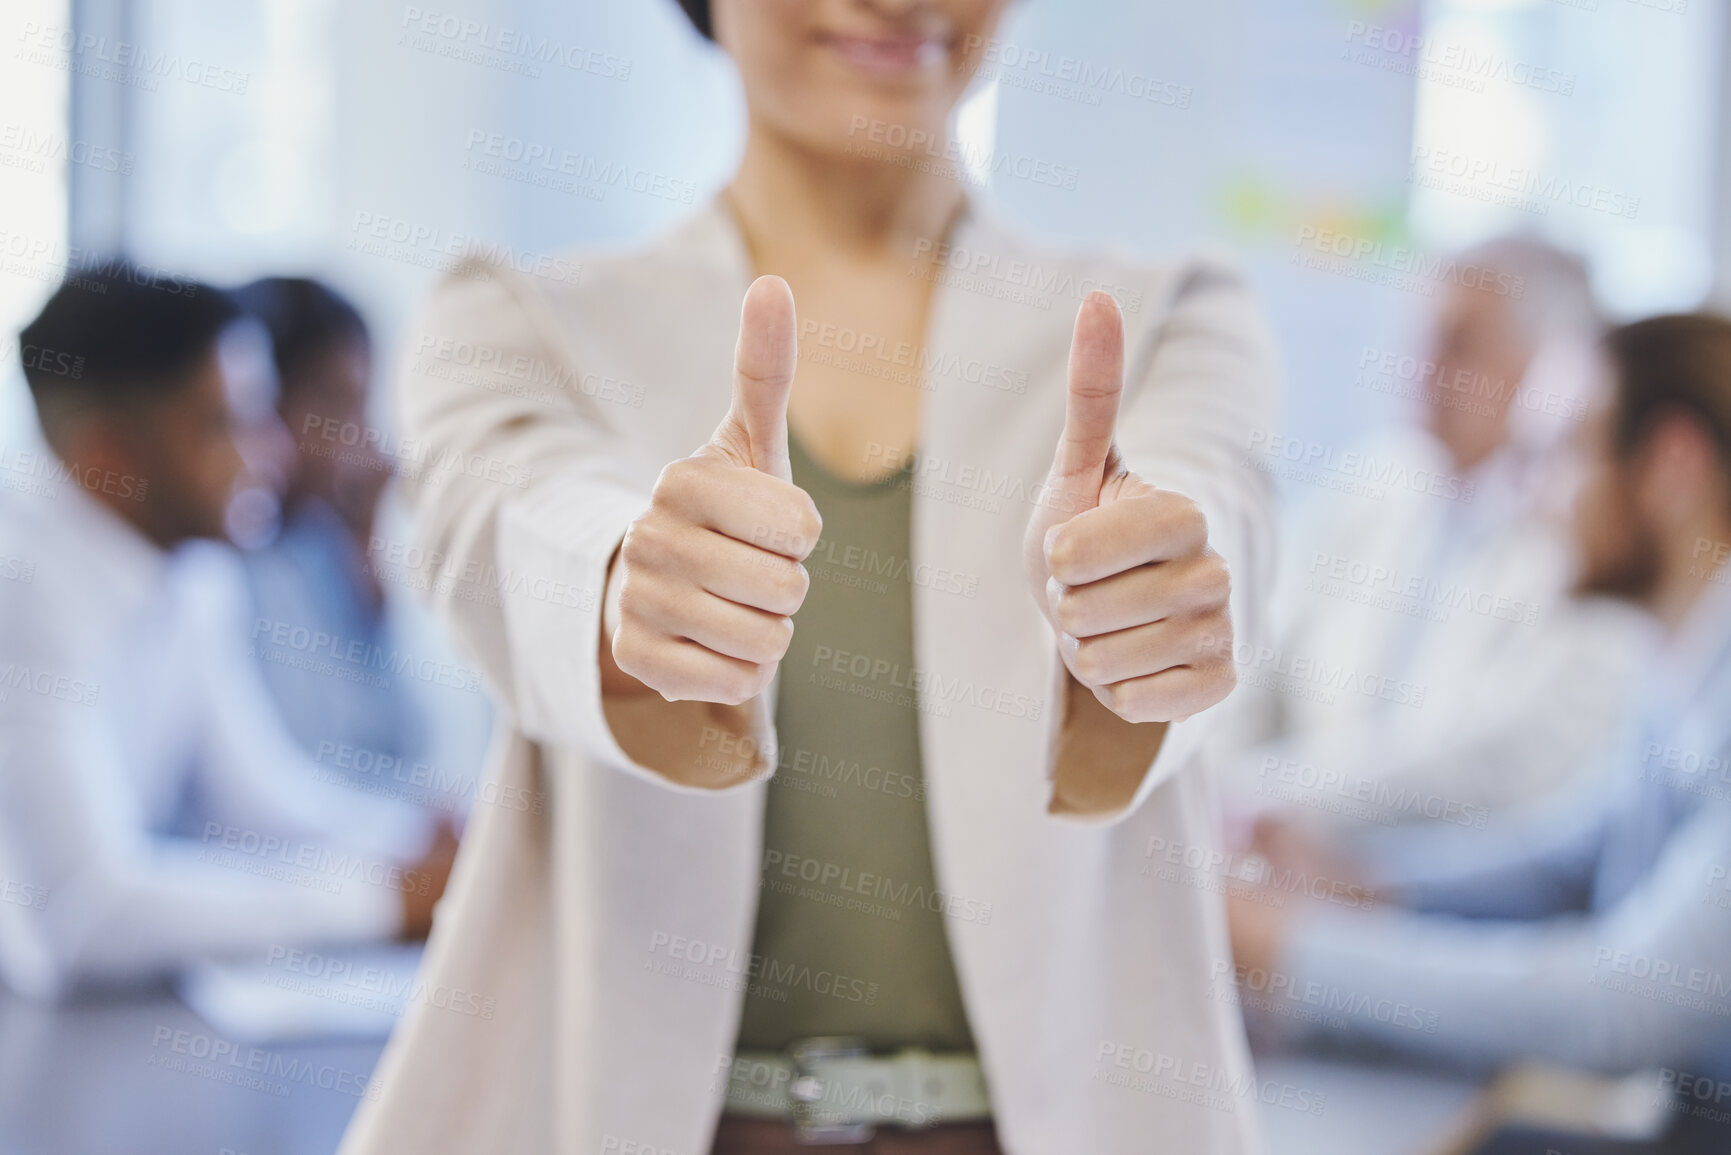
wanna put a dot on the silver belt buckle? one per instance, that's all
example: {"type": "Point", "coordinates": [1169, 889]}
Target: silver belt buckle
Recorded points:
{"type": "Point", "coordinates": [808, 1091]}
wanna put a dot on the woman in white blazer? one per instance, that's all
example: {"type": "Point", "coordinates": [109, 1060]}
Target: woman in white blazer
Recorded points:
{"type": "Point", "coordinates": [627, 574]}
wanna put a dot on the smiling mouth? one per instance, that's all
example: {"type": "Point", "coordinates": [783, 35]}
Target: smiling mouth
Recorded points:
{"type": "Point", "coordinates": [889, 55]}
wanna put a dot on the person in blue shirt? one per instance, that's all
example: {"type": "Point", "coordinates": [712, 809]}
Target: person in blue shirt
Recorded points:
{"type": "Point", "coordinates": [1595, 932]}
{"type": "Point", "coordinates": [314, 575]}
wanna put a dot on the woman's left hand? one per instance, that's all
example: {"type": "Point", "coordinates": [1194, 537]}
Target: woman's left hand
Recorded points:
{"type": "Point", "coordinates": [1122, 570]}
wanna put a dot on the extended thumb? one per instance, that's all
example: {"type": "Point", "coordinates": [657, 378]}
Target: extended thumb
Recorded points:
{"type": "Point", "coordinates": [763, 368]}
{"type": "Point", "coordinates": [1095, 384]}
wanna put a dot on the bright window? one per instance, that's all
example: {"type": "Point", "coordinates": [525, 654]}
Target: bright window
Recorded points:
{"type": "Point", "coordinates": [35, 149]}
{"type": "Point", "coordinates": [1592, 123]}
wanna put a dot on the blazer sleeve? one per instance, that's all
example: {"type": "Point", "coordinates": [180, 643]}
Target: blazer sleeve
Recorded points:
{"type": "Point", "coordinates": [1200, 382]}
{"type": "Point", "coordinates": [521, 496]}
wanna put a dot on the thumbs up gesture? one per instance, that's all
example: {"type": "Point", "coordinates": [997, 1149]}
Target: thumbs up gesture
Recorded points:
{"type": "Point", "coordinates": [706, 582]}
{"type": "Point", "coordinates": [1122, 570]}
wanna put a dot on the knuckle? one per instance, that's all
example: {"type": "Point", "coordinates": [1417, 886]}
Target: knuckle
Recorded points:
{"type": "Point", "coordinates": [789, 524]}
{"type": "Point", "coordinates": [635, 588]}
{"type": "Point", "coordinates": [655, 601]}
{"type": "Point", "coordinates": [808, 524]}
{"type": "Point", "coordinates": [1184, 518]}
{"type": "Point", "coordinates": [1070, 615]}
{"type": "Point", "coordinates": [629, 651]}
{"type": "Point", "coordinates": [783, 589]}
{"type": "Point", "coordinates": [674, 481]}
{"type": "Point", "coordinates": [1216, 631]}
{"type": "Point", "coordinates": [1090, 661]}
{"type": "Point", "coordinates": [739, 684]}
{"type": "Point", "coordinates": [781, 635]}
{"type": "Point", "coordinates": [1215, 645]}
{"type": "Point", "coordinates": [1136, 702]}
{"type": "Point", "coordinates": [798, 584]}
{"type": "Point", "coordinates": [1218, 579]}
{"type": "Point", "coordinates": [1225, 679]}
{"type": "Point", "coordinates": [1064, 555]}
{"type": "Point", "coordinates": [1200, 695]}
{"type": "Point", "coordinates": [1214, 622]}
{"type": "Point", "coordinates": [1212, 641]}
{"type": "Point", "coordinates": [631, 545]}
{"type": "Point", "coordinates": [645, 542]}
{"type": "Point", "coordinates": [1191, 517]}
{"type": "Point", "coordinates": [1204, 590]}
{"type": "Point", "coordinates": [770, 639]}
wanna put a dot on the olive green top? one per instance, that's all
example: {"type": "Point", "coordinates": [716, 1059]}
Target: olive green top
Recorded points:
{"type": "Point", "coordinates": [850, 935]}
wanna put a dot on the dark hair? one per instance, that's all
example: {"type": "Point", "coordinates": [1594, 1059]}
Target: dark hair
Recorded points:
{"type": "Point", "coordinates": [118, 333]}
{"type": "Point", "coordinates": [698, 11]}
{"type": "Point", "coordinates": [306, 319]}
{"type": "Point", "coordinates": [1679, 363]}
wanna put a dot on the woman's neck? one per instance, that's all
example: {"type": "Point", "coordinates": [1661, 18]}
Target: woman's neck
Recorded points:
{"type": "Point", "coordinates": [790, 199]}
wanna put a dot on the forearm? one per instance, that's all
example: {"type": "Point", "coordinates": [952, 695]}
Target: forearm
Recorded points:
{"type": "Point", "coordinates": [1530, 866]}
{"type": "Point", "coordinates": [129, 921]}
{"type": "Point", "coordinates": [1101, 759]}
{"type": "Point", "coordinates": [1643, 982]}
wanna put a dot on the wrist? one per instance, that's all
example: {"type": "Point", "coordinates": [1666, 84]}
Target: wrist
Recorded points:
{"type": "Point", "coordinates": [615, 682]}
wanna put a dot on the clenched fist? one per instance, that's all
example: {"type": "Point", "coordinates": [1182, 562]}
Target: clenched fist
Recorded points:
{"type": "Point", "coordinates": [706, 582]}
{"type": "Point", "coordinates": [1121, 569]}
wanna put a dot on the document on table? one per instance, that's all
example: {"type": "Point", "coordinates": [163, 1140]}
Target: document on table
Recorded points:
{"type": "Point", "coordinates": [292, 994]}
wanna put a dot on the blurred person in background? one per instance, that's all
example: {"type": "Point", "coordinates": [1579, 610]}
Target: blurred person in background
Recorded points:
{"type": "Point", "coordinates": [1593, 931]}
{"type": "Point", "coordinates": [1507, 682]}
{"type": "Point", "coordinates": [315, 572]}
{"type": "Point", "coordinates": [907, 869]}
{"type": "Point", "coordinates": [149, 793]}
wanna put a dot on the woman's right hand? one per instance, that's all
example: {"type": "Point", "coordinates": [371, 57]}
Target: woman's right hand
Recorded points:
{"type": "Point", "coordinates": [701, 595]}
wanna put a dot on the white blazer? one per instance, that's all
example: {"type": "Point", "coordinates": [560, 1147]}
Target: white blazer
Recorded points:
{"type": "Point", "coordinates": [1095, 974]}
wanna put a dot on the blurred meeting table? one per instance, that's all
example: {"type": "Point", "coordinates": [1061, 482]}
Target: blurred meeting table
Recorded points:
{"type": "Point", "coordinates": [1368, 1106]}
{"type": "Point", "coordinates": [145, 1075]}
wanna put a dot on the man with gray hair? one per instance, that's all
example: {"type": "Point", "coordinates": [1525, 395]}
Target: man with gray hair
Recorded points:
{"type": "Point", "coordinates": [1433, 663]}
{"type": "Point", "coordinates": [1510, 353]}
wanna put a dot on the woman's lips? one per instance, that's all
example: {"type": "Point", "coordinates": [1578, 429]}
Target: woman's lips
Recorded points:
{"type": "Point", "coordinates": [888, 56]}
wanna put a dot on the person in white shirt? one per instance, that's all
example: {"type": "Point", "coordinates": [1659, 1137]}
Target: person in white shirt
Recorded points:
{"type": "Point", "coordinates": [1594, 931]}
{"type": "Point", "coordinates": [153, 808]}
{"type": "Point", "coordinates": [1459, 673]}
